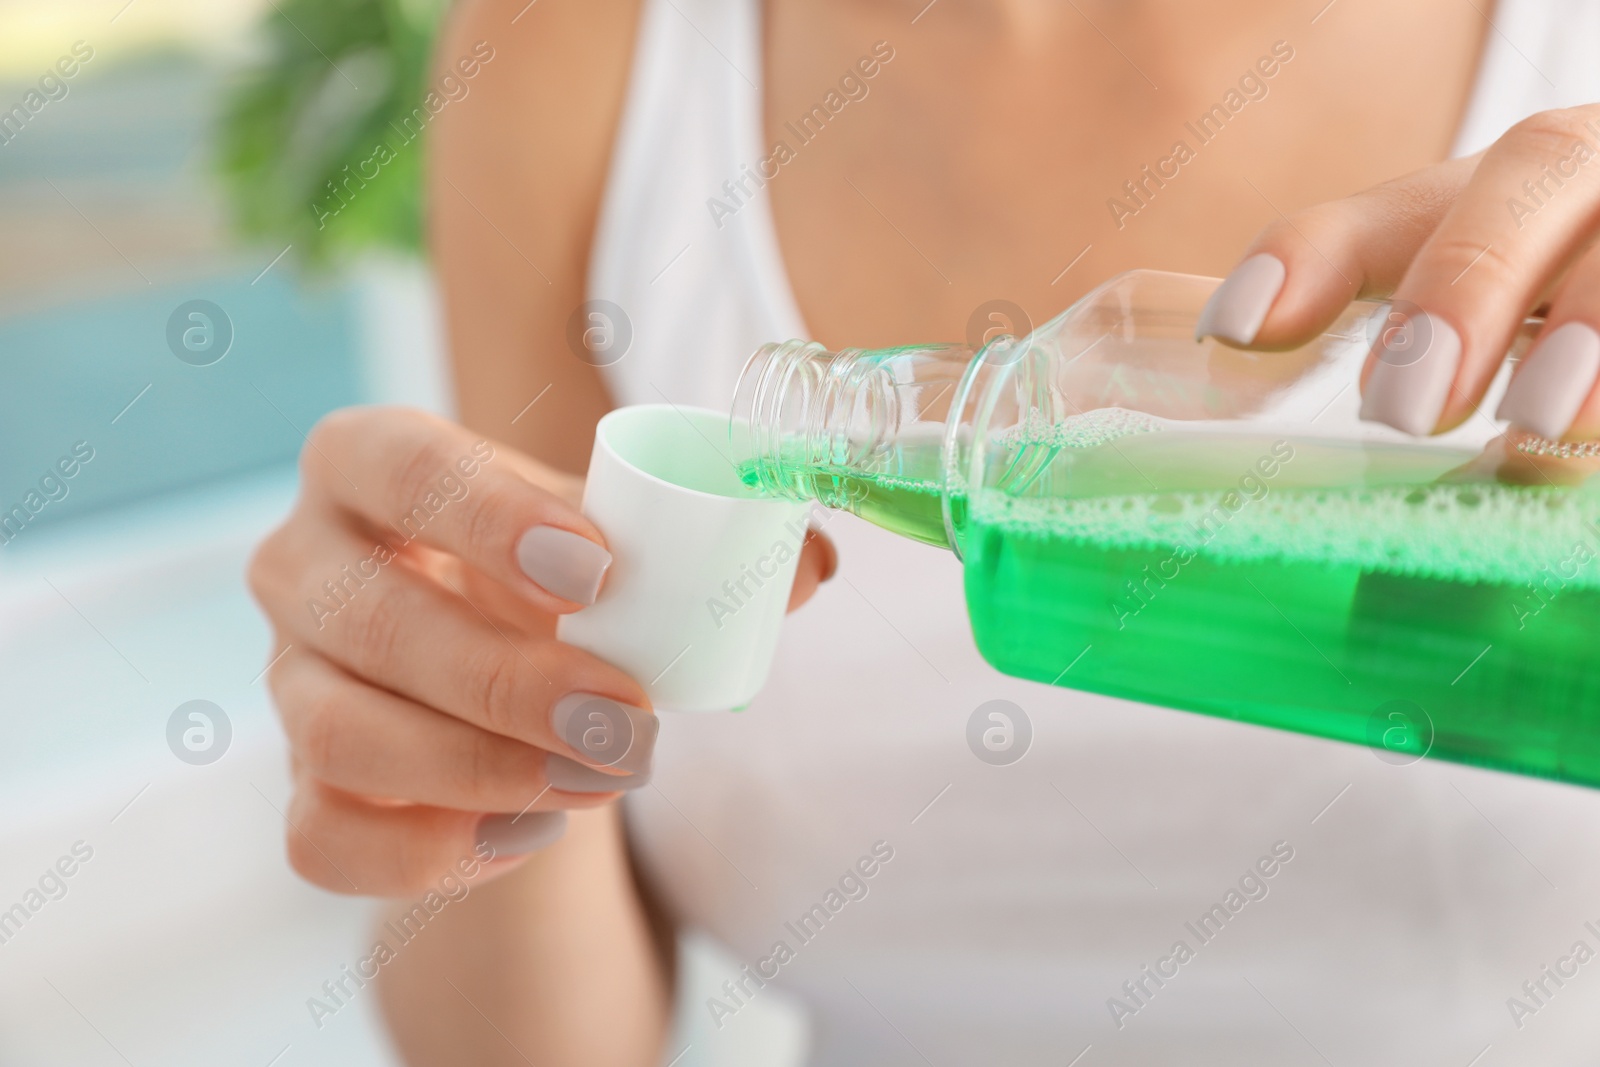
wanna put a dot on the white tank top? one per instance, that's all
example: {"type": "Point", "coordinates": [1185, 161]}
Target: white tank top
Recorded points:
{"type": "Point", "coordinates": [1020, 899]}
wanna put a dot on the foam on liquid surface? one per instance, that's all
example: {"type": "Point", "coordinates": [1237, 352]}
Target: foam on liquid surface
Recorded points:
{"type": "Point", "coordinates": [1455, 532]}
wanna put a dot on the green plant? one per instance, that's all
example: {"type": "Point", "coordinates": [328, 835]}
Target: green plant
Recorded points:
{"type": "Point", "coordinates": [334, 81]}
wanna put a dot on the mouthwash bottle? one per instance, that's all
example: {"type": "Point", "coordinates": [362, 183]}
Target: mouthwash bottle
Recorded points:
{"type": "Point", "coordinates": [1178, 522]}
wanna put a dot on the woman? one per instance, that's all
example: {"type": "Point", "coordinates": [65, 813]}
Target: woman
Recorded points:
{"type": "Point", "coordinates": [933, 158]}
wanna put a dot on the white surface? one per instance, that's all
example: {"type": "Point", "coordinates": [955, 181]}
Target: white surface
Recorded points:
{"type": "Point", "coordinates": [185, 939]}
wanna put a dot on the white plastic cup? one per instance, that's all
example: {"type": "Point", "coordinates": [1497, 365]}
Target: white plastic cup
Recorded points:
{"type": "Point", "coordinates": [701, 564]}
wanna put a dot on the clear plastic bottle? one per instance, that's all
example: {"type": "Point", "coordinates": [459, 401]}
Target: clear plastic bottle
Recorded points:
{"type": "Point", "coordinates": [1187, 524]}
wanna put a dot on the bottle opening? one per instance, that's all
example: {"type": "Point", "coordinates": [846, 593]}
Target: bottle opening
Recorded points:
{"type": "Point", "coordinates": [858, 429]}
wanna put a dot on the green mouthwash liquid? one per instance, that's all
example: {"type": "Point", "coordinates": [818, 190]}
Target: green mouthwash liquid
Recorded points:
{"type": "Point", "coordinates": [1334, 589]}
{"type": "Point", "coordinates": [906, 502]}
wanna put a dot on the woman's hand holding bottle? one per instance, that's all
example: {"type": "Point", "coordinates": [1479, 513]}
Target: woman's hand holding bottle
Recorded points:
{"type": "Point", "coordinates": [1467, 248]}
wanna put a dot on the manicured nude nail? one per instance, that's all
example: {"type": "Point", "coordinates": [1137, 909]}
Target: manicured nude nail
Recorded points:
{"type": "Point", "coordinates": [1417, 362]}
{"type": "Point", "coordinates": [1237, 309]}
{"type": "Point", "coordinates": [573, 777]}
{"type": "Point", "coordinates": [564, 563]}
{"type": "Point", "coordinates": [516, 835]}
{"type": "Point", "coordinates": [1553, 382]}
{"type": "Point", "coordinates": [605, 732]}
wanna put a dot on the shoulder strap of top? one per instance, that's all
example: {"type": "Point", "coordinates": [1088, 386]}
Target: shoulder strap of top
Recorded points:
{"type": "Point", "coordinates": [692, 123]}
{"type": "Point", "coordinates": [1540, 55]}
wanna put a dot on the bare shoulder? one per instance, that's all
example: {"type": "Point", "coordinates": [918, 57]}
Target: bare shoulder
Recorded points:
{"type": "Point", "coordinates": [557, 77]}
{"type": "Point", "coordinates": [515, 178]}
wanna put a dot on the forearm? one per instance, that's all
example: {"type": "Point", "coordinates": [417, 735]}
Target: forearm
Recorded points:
{"type": "Point", "coordinates": [554, 963]}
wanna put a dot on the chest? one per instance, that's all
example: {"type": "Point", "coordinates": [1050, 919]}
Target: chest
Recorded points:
{"type": "Point", "coordinates": [927, 169]}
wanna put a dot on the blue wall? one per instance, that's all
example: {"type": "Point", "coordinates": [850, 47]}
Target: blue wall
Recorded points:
{"type": "Point", "coordinates": [127, 152]}
{"type": "Point", "coordinates": [67, 372]}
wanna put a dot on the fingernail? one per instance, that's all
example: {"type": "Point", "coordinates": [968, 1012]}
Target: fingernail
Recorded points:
{"type": "Point", "coordinates": [573, 777]}
{"type": "Point", "coordinates": [515, 835]}
{"type": "Point", "coordinates": [1417, 362]}
{"type": "Point", "coordinates": [564, 563]}
{"type": "Point", "coordinates": [1553, 382]}
{"type": "Point", "coordinates": [1237, 309]}
{"type": "Point", "coordinates": [605, 732]}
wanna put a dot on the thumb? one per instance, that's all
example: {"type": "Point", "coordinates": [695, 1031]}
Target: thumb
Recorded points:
{"type": "Point", "coordinates": [818, 560]}
{"type": "Point", "coordinates": [1304, 269]}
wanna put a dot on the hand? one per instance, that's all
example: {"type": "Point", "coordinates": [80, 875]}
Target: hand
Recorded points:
{"type": "Point", "coordinates": [416, 584]}
{"type": "Point", "coordinates": [1468, 248]}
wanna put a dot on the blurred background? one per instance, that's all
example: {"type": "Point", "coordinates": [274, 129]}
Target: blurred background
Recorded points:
{"type": "Point", "coordinates": [174, 307]}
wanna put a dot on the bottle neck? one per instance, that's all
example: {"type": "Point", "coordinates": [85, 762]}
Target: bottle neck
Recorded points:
{"type": "Point", "coordinates": [877, 432]}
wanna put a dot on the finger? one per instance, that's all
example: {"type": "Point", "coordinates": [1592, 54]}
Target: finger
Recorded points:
{"type": "Point", "coordinates": [348, 845]}
{"type": "Point", "coordinates": [1552, 392]}
{"type": "Point", "coordinates": [364, 740]}
{"type": "Point", "coordinates": [818, 560]}
{"type": "Point", "coordinates": [1472, 284]}
{"type": "Point", "coordinates": [505, 609]}
{"type": "Point", "coordinates": [413, 477]}
{"type": "Point", "coordinates": [566, 487]}
{"type": "Point", "coordinates": [406, 633]}
{"type": "Point", "coordinates": [1304, 269]}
